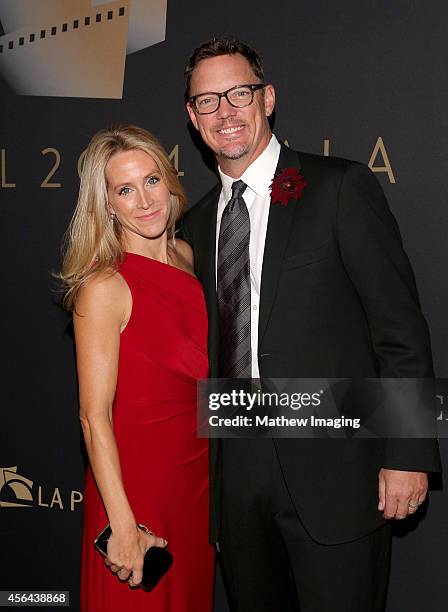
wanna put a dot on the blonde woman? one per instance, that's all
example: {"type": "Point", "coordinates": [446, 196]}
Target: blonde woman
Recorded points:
{"type": "Point", "coordinates": [141, 332]}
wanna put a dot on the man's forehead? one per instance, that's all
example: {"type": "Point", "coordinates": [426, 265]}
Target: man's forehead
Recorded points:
{"type": "Point", "coordinates": [221, 72]}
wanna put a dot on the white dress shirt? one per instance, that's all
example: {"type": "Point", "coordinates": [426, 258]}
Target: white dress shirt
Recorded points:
{"type": "Point", "coordinates": [257, 196]}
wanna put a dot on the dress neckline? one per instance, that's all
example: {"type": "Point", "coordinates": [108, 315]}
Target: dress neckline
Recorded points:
{"type": "Point", "coordinates": [162, 263]}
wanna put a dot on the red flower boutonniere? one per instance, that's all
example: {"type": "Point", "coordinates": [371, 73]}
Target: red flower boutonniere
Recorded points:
{"type": "Point", "coordinates": [286, 185]}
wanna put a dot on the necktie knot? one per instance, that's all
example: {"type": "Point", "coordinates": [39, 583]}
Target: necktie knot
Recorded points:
{"type": "Point", "coordinates": [238, 188]}
{"type": "Point", "coordinates": [236, 201]}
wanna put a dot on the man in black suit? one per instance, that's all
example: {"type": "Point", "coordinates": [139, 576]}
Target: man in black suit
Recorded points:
{"type": "Point", "coordinates": [320, 287]}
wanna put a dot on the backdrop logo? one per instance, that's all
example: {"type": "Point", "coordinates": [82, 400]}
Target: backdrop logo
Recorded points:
{"type": "Point", "coordinates": [75, 48]}
{"type": "Point", "coordinates": [17, 491]}
{"type": "Point", "coordinates": [13, 484]}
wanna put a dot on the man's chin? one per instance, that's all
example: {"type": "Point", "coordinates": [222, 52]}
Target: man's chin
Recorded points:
{"type": "Point", "coordinates": [235, 153]}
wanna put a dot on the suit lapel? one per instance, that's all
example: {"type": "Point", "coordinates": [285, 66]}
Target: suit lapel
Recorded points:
{"type": "Point", "coordinates": [277, 236]}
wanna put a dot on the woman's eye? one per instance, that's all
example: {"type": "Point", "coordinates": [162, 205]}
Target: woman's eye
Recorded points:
{"type": "Point", "coordinates": [153, 180]}
{"type": "Point", "coordinates": [124, 191]}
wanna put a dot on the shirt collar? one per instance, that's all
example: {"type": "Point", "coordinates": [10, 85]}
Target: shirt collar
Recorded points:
{"type": "Point", "coordinates": [258, 176]}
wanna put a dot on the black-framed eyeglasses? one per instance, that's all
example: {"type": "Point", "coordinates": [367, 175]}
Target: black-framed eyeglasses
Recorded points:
{"type": "Point", "coordinates": [238, 96]}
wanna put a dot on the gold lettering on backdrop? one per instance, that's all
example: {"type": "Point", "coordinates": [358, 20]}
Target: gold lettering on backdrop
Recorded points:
{"type": "Point", "coordinates": [326, 147]}
{"type": "Point", "coordinates": [380, 148]}
{"type": "Point", "coordinates": [174, 157]}
{"type": "Point", "coordinates": [56, 499]}
{"type": "Point", "coordinates": [55, 152]}
{"type": "Point", "coordinates": [39, 498]}
{"type": "Point", "coordinates": [81, 162]}
{"type": "Point", "coordinates": [75, 498]}
{"type": "Point", "coordinates": [5, 185]}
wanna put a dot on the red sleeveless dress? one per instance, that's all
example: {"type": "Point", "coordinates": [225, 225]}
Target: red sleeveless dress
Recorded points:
{"type": "Point", "coordinates": [164, 465]}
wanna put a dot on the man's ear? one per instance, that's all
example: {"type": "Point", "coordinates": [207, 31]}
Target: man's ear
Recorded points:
{"type": "Point", "coordinates": [269, 100]}
{"type": "Point", "coordinates": [192, 115]}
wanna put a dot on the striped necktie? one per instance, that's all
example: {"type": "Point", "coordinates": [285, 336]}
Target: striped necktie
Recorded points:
{"type": "Point", "coordinates": [233, 287]}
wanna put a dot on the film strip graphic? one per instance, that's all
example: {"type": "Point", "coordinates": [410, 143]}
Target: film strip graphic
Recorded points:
{"type": "Point", "coordinates": [75, 24]}
{"type": "Point", "coordinates": [76, 50]}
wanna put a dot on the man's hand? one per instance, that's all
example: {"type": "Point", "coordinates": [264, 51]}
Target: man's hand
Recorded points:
{"type": "Point", "coordinates": [401, 493]}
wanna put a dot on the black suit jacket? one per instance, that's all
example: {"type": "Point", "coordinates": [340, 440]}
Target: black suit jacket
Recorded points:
{"type": "Point", "coordinates": [338, 299]}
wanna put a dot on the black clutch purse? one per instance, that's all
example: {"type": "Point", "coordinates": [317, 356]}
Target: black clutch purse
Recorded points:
{"type": "Point", "coordinates": [156, 563]}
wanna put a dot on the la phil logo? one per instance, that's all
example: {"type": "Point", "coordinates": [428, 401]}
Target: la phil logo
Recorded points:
{"type": "Point", "coordinates": [17, 491]}
{"type": "Point", "coordinates": [77, 48]}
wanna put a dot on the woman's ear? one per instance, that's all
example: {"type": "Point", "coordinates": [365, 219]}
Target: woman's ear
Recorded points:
{"type": "Point", "coordinates": [111, 211]}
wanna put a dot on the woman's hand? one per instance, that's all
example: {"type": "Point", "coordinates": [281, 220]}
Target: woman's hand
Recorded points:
{"type": "Point", "coordinates": [126, 550]}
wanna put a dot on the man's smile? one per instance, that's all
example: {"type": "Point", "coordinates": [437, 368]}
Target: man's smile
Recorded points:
{"type": "Point", "coordinates": [231, 130]}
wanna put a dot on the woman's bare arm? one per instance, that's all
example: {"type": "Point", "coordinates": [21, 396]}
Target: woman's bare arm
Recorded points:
{"type": "Point", "coordinates": [102, 309]}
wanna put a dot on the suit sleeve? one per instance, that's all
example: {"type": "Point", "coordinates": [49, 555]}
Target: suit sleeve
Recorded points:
{"type": "Point", "coordinates": [372, 252]}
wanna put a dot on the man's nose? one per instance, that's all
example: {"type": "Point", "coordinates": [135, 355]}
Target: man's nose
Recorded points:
{"type": "Point", "coordinates": [225, 109]}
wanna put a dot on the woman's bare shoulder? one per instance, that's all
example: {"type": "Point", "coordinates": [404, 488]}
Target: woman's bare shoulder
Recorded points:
{"type": "Point", "coordinates": [103, 291]}
{"type": "Point", "coordinates": [185, 250]}
{"type": "Point", "coordinates": [185, 256]}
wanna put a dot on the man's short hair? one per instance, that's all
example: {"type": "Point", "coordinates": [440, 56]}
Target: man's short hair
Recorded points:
{"type": "Point", "coordinates": [222, 46]}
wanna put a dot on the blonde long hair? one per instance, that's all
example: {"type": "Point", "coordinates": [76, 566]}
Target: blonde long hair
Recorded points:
{"type": "Point", "coordinates": [92, 243]}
